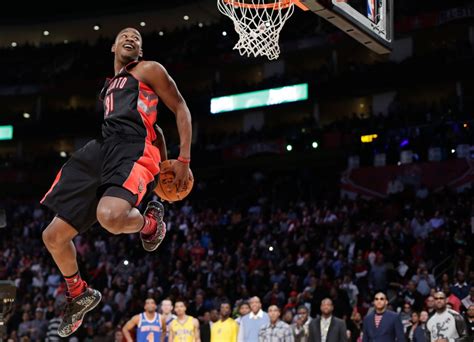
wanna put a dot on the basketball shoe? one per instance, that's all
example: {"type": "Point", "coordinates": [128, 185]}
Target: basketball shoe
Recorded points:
{"type": "Point", "coordinates": [75, 310]}
{"type": "Point", "coordinates": [154, 211]}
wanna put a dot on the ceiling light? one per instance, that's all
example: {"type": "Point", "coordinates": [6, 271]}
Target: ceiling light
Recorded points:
{"type": "Point", "coordinates": [45, 33]}
{"type": "Point", "coordinates": [96, 27]}
{"type": "Point", "coordinates": [142, 24]}
{"type": "Point", "coordinates": [14, 44]}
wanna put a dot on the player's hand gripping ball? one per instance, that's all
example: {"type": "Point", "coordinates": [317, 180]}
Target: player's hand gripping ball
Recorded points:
{"type": "Point", "coordinates": [166, 189]}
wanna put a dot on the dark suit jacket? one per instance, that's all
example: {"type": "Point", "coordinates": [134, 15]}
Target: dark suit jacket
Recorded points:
{"type": "Point", "coordinates": [420, 334]}
{"type": "Point", "coordinates": [389, 330]}
{"type": "Point", "coordinates": [336, 332]}
{"type": "Point", "coordinates": [205, 332]}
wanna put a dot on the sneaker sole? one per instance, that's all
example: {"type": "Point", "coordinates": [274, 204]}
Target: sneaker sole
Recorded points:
{"type": "Point", "coordinates": [161, 211]}
{"type": "Point", "coordinates": [155, 247]}
{"type": "Point", "coordinates": [82, 313]}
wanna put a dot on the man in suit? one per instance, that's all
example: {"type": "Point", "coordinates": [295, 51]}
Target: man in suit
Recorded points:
{"type": "Point", "coordinates": [327, 328]}
{"type": "Point", "coordinates": [382, 325]}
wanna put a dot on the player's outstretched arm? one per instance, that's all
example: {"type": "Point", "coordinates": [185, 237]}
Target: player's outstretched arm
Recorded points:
{"type": "Point", "coordinates": [156, 76]}
{"type": "Point", "coordinates": [197, 333]}
{"type": "Point", "coordinates": [132, 323]}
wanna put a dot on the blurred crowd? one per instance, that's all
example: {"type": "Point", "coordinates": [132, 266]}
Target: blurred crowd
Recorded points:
{"type": "Point", "coordinates": [290, 254]}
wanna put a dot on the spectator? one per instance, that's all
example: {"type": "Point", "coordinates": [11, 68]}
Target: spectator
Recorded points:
{"type": "Point", "coordinates": [430, 306]}
{"type": "Point", "coordinates": [378, 275]}
{"type": "Point", "coordinates": [382, 325]}
{"type": "Point", "coordinates": [205, 327]}
{"type": "Point", "coordinates": [355, 326]}
{"type": "Point", "coordinates": [196, 307]}
{"type": "Point", "coordinates": [301, 326]}
{"type": "Point", "coordinates": [470, 321]}
{"type": "Point", "coordinates": [446, 324]}
{"type": "Point", "coordinates": [209, 321]}
{"type": "Point", "coordinates": [244, 309]}
{"type": "Point", "coordinates": [39, 326]}
{"type": "Point", "coordinates": [469, 299]}
{"type": "Point", "coordinates": [274, 297]}
{"type": "Point", "coordinates": [53, 281]}
{"type": "Point", "coordinates": [424, 281]}
{"type": "Point", "coordinates": [410, 330]}
{"type": "Point", "coordinates": [406, 316]}
{"type": "Point", "coordinates": [460, 289]}
{"type": "Point", "coordinates": [453, 300]}
{"type": "Point", "coordinates": [53, 324]}
{"type": "Point", "coordinates": [420, 332]}
{"type": "Point", "coordinates": [327, 328]}
{"type": "Point", "coordinates": [225, 329]}
{"type": "Point", "coordinates": [275, 329]}
{"type": "Point", "coordinates": [251, 323]}
{"type": "Point", "coordinates": [412, 296]}
{"type": "Point", "coordinates": [25, 327]}
{"type": "Point", "coordinates": [351, 289]}
{"type": "Point", "coordinates": [288, 316]}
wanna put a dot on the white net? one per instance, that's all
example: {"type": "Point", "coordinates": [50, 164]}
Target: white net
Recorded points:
{"type": "Point", "coordinates": [258, 24]}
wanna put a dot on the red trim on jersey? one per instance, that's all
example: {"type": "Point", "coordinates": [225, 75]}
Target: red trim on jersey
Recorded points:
{"type": "Point", "coordinates": [56, 180]}
{"type": "Point", "coordinates": [132, 62]}
{"type": "Point", "coordinates": [149, 99]}
{"type": "Point", "coordinates": [143, 172]}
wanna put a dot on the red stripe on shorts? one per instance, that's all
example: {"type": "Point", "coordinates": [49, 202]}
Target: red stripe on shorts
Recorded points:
{"type": "Point", "coordinates": [56, 180]}
{"type": "Point", "coordinates": [143, 172]}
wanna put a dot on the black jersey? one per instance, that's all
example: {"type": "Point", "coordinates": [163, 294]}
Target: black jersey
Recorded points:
{"type": "Point", "coordinates": [129, 106]}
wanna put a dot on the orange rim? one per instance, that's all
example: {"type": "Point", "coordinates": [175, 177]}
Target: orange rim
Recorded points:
{"type": "Point", "coordinates": [276, 5]}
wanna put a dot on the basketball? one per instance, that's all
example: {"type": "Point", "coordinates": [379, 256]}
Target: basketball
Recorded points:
{"type": "Point", "coordinates": [165, 189]}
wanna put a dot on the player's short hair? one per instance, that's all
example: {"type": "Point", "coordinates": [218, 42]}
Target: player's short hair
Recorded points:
{"type": "Point", "coordinates": [181, 301]}
{"type": "Point", "coordinates": [167, 300]}
{"type": "Point", "coordinates": [244, 303]}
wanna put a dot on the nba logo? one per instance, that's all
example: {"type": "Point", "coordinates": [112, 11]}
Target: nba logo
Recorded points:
{"type": "Point", "coordinates": [372, 6]}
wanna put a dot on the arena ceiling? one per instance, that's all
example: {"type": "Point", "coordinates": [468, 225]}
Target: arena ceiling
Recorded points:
{"type": "Point", "coordinates": [19, 12]}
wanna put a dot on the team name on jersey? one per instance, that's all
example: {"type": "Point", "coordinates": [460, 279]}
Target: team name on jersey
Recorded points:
{"type": "Point", "coordinates": [184, 332]}
{"type": "Point", "coordinates": [118, 83]}
{"type": "Point", "coordinates": [150, 328]}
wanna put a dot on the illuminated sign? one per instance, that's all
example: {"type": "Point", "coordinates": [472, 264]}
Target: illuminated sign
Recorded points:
{"type": "Point", "coordinates": [261, 98]}
{"type": "Point", "coordinates": [6, 132]}
{"type": "Point", "coordinates": [368, 138]}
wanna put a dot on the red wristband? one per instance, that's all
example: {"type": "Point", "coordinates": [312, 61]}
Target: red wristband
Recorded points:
{"type": "Point", "coordinates": [184, 160]}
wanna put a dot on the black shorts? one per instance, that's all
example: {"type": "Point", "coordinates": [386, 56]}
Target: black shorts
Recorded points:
{"type": "Point", "coordinates": [129, 168]}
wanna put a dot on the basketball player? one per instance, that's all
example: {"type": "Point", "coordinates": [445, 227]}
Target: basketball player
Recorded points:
{"type": "Point", "coordinates": [149, 324]}
{"type": "Point", "coordinates": [166, 317]}
{"type": "Point", "coordinates": [184, 328]}
{"type": "Point", "coordinates": [108, 178]}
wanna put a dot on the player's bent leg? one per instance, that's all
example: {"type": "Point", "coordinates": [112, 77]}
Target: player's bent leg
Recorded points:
{"type": "Point", "coordinates": [116, 214]}
{"type": "Point", "coordinates": [81, 298]}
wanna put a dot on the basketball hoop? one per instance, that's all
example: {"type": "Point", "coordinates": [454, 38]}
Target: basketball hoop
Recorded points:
{"type": "Point", "coordinates": [258, 23]}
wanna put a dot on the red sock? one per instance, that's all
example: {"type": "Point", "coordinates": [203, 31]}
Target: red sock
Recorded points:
{"type": "Point", "coordinates": [75, 285]}
{"type": "Point", "coordinates": [149, 226]}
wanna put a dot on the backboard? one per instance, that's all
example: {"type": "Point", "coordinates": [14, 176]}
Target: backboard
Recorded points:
{"type": "Point", "coordinates": [368, 21]}
{"type": "Point", "coordinates": [259, 22]}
